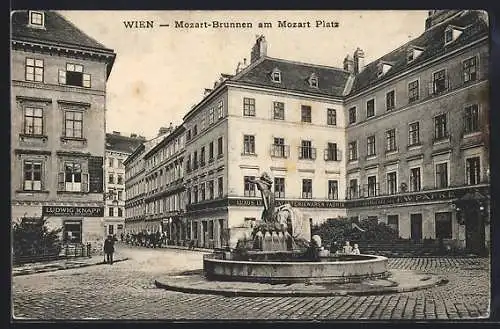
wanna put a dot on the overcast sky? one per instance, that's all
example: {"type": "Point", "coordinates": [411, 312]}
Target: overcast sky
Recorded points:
{"type": "Point", "coordinates": [160, 73]}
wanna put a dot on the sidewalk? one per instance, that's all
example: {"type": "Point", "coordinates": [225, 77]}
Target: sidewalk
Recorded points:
{"type": "Point", "coordinates": [62, 264]}
{"type": "Point", "coordinates": [168, 247]}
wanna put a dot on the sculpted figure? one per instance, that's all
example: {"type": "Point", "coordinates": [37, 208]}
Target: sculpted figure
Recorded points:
{"type": "Point", "coordinates": [264, 184]}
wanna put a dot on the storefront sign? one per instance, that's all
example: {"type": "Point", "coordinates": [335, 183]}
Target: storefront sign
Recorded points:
{"type": "Point", "coordinates": [66, 211]}
{"type": "Point", "coordinates": [293, 203]}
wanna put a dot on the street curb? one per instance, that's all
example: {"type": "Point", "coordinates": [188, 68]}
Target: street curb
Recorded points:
{"type": "Point", "coordinates": [54, 269]}
{"type": "Point", "coordinates": [294, 293]}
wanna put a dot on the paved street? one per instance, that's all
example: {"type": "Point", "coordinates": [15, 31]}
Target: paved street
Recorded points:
{"type": "Point", "coordinates": [126, 291]}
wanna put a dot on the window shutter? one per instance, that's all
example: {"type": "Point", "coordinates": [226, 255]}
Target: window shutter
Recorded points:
{"type": "Point", "coordinates": [85, 182]}
{"type": "Point", "coordinates": [62, 77]}
{"type": "Point", "coordinates": [86, 80]}
{"type": "Point", "coordinates": [60, 181]}
{"type": "Point", "coordinates": [339, 155]}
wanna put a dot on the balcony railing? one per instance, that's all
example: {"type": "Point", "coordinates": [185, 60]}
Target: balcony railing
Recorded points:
{"type": "Point", "coordinates": [332, 155]}
{"type": "Point", "coordinates": [280, 151]}
{"type": "Point", "coordinates": [307, 153]}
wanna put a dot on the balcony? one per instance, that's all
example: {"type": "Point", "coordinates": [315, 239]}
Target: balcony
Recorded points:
{"type": "Point", "coordinates": [331, 154]}
{"type": "Point", "coordinates": [307, 153]}
{"type": "Point", "coordinates": [280, 151]}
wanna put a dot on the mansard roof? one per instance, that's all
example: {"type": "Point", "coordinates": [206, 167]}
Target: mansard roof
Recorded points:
{"type": "Point", "coordinates": [432, 41]}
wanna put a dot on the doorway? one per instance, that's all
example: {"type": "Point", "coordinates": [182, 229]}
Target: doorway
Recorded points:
{"type": "Point", "coordinates": [416, 227]}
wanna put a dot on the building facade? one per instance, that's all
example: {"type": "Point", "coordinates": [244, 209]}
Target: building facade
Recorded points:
{"type": "Point", "coordinates": [58, 99]}
{"type": "Point", "coordinates": [118, 148]}
{"type": "Point", "coordinates": [417, 131]}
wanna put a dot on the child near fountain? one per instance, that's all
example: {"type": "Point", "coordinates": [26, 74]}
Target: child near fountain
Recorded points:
{"type": "Point", "coordinates": [355, 250]}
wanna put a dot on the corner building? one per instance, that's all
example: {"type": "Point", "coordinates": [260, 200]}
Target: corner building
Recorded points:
{"type": "Point", "coordinates": [58, 99]}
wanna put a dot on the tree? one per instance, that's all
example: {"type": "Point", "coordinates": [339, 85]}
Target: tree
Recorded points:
{"type": "Point", "coordinates": [32, 237]}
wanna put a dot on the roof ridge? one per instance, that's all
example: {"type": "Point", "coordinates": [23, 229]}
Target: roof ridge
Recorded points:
{"type": "Point", "coordinates": [307, 64]}
{"type": "Point", "coordinates": [78, 29]}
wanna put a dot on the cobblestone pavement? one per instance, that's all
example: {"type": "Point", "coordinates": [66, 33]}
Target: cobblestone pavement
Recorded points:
{"type": "Point", "coordinates": [126, 291]}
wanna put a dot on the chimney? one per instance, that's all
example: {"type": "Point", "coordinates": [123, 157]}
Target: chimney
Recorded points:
{"type": "Point", "coordinates": [359, 60]}
{"type": "Point", "coordinates": [244, 62]}
{"type": "Point", "coordinates": [238, 68]}
{"type": "Point", "coordinates": [133, 135]}
{"type": "Point", "coordinates": [259, 49]}
{"type": "Point", "coordinates": [207, 91]}
{"type": "Point", "coordinates": [349, 64]}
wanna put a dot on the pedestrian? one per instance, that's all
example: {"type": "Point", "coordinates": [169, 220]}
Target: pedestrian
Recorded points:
{"type": "Point", "coordinates": [109, 249]}
{"type": "Point", "coordinates": [355, 250]}
{"type": "Point", "coordinates": [347, 248]}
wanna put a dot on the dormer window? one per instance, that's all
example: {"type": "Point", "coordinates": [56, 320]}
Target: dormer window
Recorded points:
{"type": "Point", "coordinates": [313, 81]}
{"type": "Point", "coordinates": [383, 68]}
{"type": "Point", "coordinates": [451, 34]}
{"type": "Point", "coordinates": [276, 76]}
{"type": "Point", "coordinates": [36, 18]}
{"type": "Point", "coordinates": [413, 53]}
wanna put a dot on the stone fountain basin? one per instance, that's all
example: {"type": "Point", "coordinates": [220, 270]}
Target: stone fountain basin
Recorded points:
{"type": "Point", "coordinates": [334, 269]}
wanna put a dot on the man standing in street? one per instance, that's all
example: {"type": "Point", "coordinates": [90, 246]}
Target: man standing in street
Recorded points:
{"type": "Point", "coordinates": [109, 249]}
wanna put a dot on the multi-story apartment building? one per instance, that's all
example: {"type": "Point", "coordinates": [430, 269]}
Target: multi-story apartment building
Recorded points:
{"type": "Point", "coordinates": [118, 148]}
{"type": "Point", "coordinates": [135, 184]}
{"type": "Point", "coordinates": [59, 77]}
{"type": "Point", "coordinates": [278, 116]}
{"type": "Point", "coordinates": [417, 131]}
{"type": "Point", "coordinates": [164, 198]}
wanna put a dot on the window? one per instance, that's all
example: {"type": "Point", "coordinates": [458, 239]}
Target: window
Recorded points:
{"type": "Point", "coordinates": [111, 179]}
{"type": "Point", "coordinates": [440, 131]}
{"type": "Point", "coordinates": [120, 163]}
{"type": "Point", "coordinates": [279, 111]}
{"type": "Point", "coordinates": [370, 146]}
{"type": "Point", "coordinates": [331, 153]}
{"type": "Point", "coordinates": [120, 212]}
{"type": "Point", "coordinates": [188, 136]}
{"type": "Point", "coordinates": [36, 18]}
{"type": "Point", "coordinates": [120, 195]}
{"type": "Point", "coordinates": [390, 136]}
{"type": "Point", "coordinates": [72, 232]}
{"type": "Point", "coordinates": [32, 176]}
{"type": "Point", "coordinates": [73, 177]}
{"type": "Point", "coordinates": [202, 156]}
{"type": "Point", "coordinates": [392, 186]}
{"type": "Point", "coordinates": [353, 188]}
{"type": "Point", "coordinates": [393, 222]}
{"type": "Point", "coordinates": [210, 188]}
{"type": "Point", "coordinates": [74, 76]}
{"type": "Point", "coordinates": [202, 124]}
{"type": "Point", "coordinates": [279, 187]}
{"type": "Point", "coordinates": [211, 116]}
{"type": "Point", "coordinates": [249, 107]}
{"type": "Point", "coordinates": [276, 76]}
{"type": "Point", "coordinates": [202, 192]}
{"type": "Point", "coordinates": [414, 134]}
{"type": "Point", "coordinates": [188, 195]}
{"type": "Point", "coordinates": [111, 212]}
{"type": "Point", "coordinates": [307, 151]}
{"type": "Point", "coordinates": [353, 151]}
{"type": "Point", "coordinates": [195, 160]}
{"type": "Point", "coordinates": [410, 55]}
{"type": "Point", "coordinates": [195, 130]}
{"type": "Point", "coordinates": [469, 70]}
{"type": "Point", "coordinates": [111, 162]}
{"type": "Point", "coordinates": [333, 189]}
{"type": "Point", "coordinates": [439, 82]}
{"type": "Point", "coordinates": [279, 149]}
{"type": "Point", "coordinates": [331, 117]}
{"type": "Point", "coordinates": [473, 170]}
{"type": "Point", "coordinates": [352, 115]}
{"type": "Point", "coordinates": [448, 35]}
{"type": "Point", "coordinates": [248, 144]}
{"type": "Point", "coordinates": [220, 186]}
{"type": "Point", "coordinates": [219, 147]}
{"type": "Point", "coordinates": [415, 180]}
{"type": "Point", "coordinates": [372, 186]}
{"type": "Point", "coordinates": [195, 194]}
{"type": "Point", "coordinates": [370, 108]}
{"type": "Point", "coordinates": [442, 175]}
{"type": "Point", "coordinates": [119, 179]}
{"type": "Point", "coordinates": [73, 124]}
{"type": "Point", "coordinates": [471, 119]}
{"type": "Point", "coordinates": [413, 91]}
{"type": "Point", "coordinates": [307, 189]}
{"type": "Point", "coordinates": [313, 81]}
{"type": "Point", "coordinates": [33, 121]}
{"type": "Point", "coordinates": [443, 225]}
{"type": "Point", "coordinates": [211, 151]}
{"type": "Point", "coordinates": [34, 70]}
{"type": "Point", "coordinates": [306, 113]}
{"type": "Point", "coordinates": [220, 110]}
{"type": "Point", "coordinates": [390, 101]}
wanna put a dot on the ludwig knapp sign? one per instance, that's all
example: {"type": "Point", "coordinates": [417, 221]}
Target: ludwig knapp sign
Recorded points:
{"type": "Point", "coordinates": [73, 211]}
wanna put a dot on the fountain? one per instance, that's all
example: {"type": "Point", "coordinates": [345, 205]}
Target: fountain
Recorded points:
{"type": "Point", "coordinates": [280, 250]}
{"type": "Point", "coordinates": [280, 258]}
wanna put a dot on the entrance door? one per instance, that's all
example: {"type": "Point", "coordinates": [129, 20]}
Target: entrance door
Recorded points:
{"type": "Point", "coordinates": [416, 227]}
{"type": "Point", "coordinates": [204, 233]}
{"type": "Point", "coordinates": [474, 230]}
{"type": "Point", "coordinates": [221, 232]}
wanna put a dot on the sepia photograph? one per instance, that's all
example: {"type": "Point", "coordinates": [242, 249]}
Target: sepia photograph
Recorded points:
{"type": "Point", "coordinates": [307, 165]}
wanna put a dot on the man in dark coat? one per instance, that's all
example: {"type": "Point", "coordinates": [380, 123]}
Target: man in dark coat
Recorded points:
{"type": "Point", "coordinates": [109, 249]}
